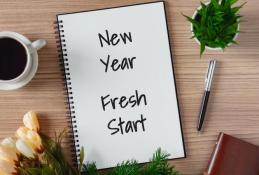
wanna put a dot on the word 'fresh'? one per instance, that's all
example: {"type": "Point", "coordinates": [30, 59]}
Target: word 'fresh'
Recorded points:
{"type": "Point", "coordinates": [123, 101]}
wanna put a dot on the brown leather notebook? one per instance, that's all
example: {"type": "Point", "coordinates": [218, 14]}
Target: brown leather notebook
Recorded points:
{"type": "Point", "coordinates": [232, 156]}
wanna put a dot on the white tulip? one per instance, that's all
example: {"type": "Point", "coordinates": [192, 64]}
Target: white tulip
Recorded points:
{"type": "Point", "coordinates": [34, 140]}
{"type": "Point", "coordinates": [7, 168]}
{"type": "Point", "coordinates": [8, 154]}
{"type": "Point", "coordinates": [8, 158]}
{"type": "Point", "coordinates": [9, 142]}
{"type": "Point", "coordinates": [31, 138]}
{"type": "Point", "coordinates": [3, 173]}
{"type": "Point", "coordinates": [30, 120]}
{"type": "Point", "coordinates": [21, 133]}
{"type": "Point", "coordinates": [24, 148]}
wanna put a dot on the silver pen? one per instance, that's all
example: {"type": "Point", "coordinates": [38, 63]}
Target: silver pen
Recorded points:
{"type": "Point", "coordinates": [205, 98]}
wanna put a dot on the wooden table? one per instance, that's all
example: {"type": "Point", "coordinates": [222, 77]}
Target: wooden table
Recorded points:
{"type": "Point", "coordinates": [234, 102]}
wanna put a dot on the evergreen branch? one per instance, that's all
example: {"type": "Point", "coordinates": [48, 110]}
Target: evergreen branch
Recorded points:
{"type": "Point", "coordinates": [126, 168]}
{"type": "Point", "coordinates": [53, 162]}
{"type": "Point", "coordinates": [158, 165]}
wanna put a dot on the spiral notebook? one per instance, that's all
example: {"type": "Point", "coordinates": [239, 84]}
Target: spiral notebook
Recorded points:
{"type": "Point", "coordinates": [120, 83]}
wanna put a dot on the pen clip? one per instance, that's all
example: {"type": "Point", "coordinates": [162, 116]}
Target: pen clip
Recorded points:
{"type": "Point", "coordinates": [209, 75]}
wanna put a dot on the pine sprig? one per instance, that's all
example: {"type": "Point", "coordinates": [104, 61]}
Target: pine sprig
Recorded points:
{"type": "Point", "coordinates": [216, 24]}
{"type": "Point", "coordinates": [89, 169]}
{"type": "Point", "coordinates": [158, 165]}
{"type": "Point", "coordinates": [126, 168]}
{"type": "Point", "coordinates": [53, 162]}
{"type": "Point", "coordinates": [54, 157]}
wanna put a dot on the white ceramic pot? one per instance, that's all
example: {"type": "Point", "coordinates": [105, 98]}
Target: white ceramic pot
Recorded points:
{"type": "Point", "coordinates": [207, 47]}
{"type": "Point", "coordinates": [32, 61]}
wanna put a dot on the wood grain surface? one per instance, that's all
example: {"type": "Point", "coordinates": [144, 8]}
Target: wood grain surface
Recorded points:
{"type": "Point", "coordinates": [234, 101]}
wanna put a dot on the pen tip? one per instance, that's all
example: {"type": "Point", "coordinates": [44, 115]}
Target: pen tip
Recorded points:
{"type": "Point", "coordinates": [199, 129]}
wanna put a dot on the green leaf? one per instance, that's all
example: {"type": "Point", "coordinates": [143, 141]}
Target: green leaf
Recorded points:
{"type": "Point", "coordinates": [215, 4]}
{"type": "Point", "coordinates": [232, 2]}
{"type": "Point", "coordinates": [236, 9]}
{"type": "Point", "coordinates": [194, 22]}
{"type": "Point", "coordinates": [202, 48]}
{"type": "Point", "coordinates": [223, 2]}
{"type": "Point", "coordinates": [203, 6]}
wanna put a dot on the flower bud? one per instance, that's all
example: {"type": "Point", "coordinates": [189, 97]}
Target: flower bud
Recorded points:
{"type": "Point", "coordinates": [31, 138]}
{"type": "Point", "coordinates": [30, 120]}
{"type": "Point", "coordinates": [35, 141]}
{"type": "Point", "coordinates": [22, 132]}
{"type": "Point", "coordinates": [9, 142]}
{"type": "Point", "coordinates": [24, 148]}
{"type": "Point", "coordinates": [8, 156]}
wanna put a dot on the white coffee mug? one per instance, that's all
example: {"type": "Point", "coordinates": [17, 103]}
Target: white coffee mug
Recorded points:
{"type": "Point", "coordinates": [32, 60]}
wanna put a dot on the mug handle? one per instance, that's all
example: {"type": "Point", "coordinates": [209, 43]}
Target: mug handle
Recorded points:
{"type": "Point", "coordinates": [38, 44]}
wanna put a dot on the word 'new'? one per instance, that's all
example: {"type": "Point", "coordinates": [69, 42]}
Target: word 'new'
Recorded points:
{"type": "Point", "coordinates": [114, 38]}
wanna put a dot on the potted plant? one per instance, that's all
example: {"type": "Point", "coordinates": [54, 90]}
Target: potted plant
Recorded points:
{"type": "Point", "coordinates": [215, 24]}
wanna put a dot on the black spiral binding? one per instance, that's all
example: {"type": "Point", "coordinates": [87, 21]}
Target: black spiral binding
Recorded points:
{"type": "Point", "coordinates": [64, 64]}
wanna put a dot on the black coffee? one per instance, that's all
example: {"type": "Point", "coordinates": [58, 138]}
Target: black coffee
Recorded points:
{"type": "Point", "coordinates": [13, 58]}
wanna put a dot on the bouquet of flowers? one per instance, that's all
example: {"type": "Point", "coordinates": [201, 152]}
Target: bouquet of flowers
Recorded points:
{"type": "Point", "coordinates": [31, 152]}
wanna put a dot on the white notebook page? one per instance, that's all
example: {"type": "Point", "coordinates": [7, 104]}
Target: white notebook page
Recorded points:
{"type": "Point", "coordinates": [123, 84]}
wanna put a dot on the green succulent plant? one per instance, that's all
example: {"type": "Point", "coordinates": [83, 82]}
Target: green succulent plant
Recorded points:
{"type": "Point", "coordinates": [216, 24]}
